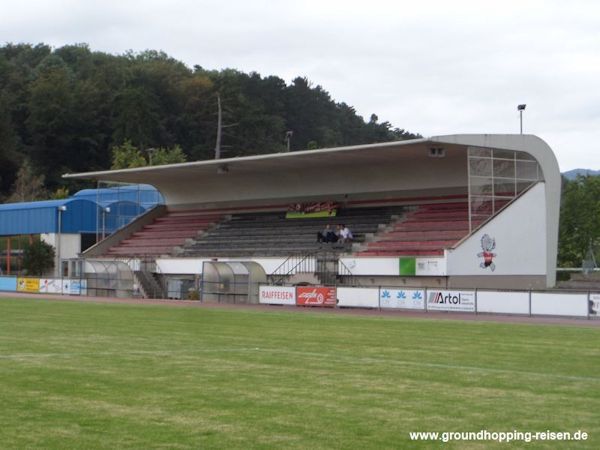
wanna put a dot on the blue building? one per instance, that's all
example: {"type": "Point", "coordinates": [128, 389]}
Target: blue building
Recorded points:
{"type": "Point", "coordinates": [76, 223]}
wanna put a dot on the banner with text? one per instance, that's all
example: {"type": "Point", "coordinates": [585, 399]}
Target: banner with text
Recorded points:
{"type": "Point", "coordinates": [462, 301]}
{"type": "Point", "coordinates": [316, 296]}
{"type": "Point", "coordinates": [402, 298]}
{"type": "Point", "coordinates": [277, 295]}
{"type": "Point", "coordinates": [28, 285]}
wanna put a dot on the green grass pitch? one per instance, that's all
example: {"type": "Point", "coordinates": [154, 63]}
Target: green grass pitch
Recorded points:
{"type": "Point", "coordinates": [90, 375]}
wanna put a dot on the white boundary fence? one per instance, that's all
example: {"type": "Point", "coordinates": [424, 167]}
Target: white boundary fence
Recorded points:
{"type": "Point", "coordinates": [530, 303]}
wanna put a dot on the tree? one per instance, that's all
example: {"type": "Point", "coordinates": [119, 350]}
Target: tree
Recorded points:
{"type": "Point", "coordinates": [127, 156]}
{"type": "Point", "coordinates": [60, 193]}
{"type": "Point", "coordinates": [51, 117]}
{"type": "Point", "coordinates": [38, 257]}
{"type": "Point", "coordinates": [579, 219]}
{"type": "Point", "coordinates": [28, 186]}
{"type": "Point", "coordinates": [8, 145]}
{"type": "Point", "coordinates": [171, 155]}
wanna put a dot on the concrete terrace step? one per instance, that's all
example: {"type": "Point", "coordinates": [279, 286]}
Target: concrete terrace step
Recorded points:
{"type": "Point", "coordinates": [152, 242]}
{"type": "Point", "coordinates": [417, 235]}
{"type": "Point", "coordinates": [408, 245]}
{"type": "Point", "coordinates": [165, 234]}
{"type": "Point", "coordinates": [133, 251]}
{"type": "Point", "coordinates": [394, 253]}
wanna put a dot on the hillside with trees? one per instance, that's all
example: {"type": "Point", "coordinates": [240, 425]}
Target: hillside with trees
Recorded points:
{"type": "Point", "coordinates": [65, 109]}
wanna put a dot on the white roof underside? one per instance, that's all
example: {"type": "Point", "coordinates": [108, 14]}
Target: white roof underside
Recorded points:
{"type": "Point", "coordinates": [362, 170]}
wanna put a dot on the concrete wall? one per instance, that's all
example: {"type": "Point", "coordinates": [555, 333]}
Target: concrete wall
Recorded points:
{"type": "Point", "coordinates": [70, 244]}
{"type": "Point", "coordinates": [519, 233]}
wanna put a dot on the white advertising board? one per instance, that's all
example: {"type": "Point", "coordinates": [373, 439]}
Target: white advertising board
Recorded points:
{"type": "Point", "coordinates": [462, 301]}
{"type": "Point", "coordinates": [75, 287]}
{"type": "Point", "coordinates": [358, 297]}
{"type": "Point", "coordinates": [277, 295]}
{"type": "Point", "coordinates": [594, 305]}
{"type": "Point", "coordinates": [370, 266]}
{"type": "Point", "coordinates": [51, 286]}
{"type": "Point", "coordinates": [551, 304]}
{"type": "Point", "coordinates": [430, 267]}
{"type": "Point", "coordinates": [503, 302]}
{"type": "Point", "coordinates": [402, 298]}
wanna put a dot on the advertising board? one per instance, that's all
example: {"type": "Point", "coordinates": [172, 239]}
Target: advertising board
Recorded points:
{"type": "Point", "coordinates": [460, 301]}
{"type": "Point", "coordinates": [430, 266]}
{"type": "Point", "coordinates": [503, 302]}
{"type": "Point", "coordinates": [28, 285]}
{"type": "Point", "coordinates": [8, 284]}
{"type": "Point", "coordinates": [316, 296]}
{"type": "Point", "coordinates": [51, 286]}
{"type": "Point", "coordinates": [402, 298]}
{"type": "Point", "coordinates": [277, 295]}
{"type": "Point", "coordinates": [594, 305]}
{"type": "Point", "coordinates": [559, 304]}
{"type": "Point", "coordinates": [72, 287]}
{"type": "Point", "coordinates": [350, 297]}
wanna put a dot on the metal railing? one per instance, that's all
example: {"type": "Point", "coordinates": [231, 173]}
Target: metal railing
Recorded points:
{"type": "Point", "coordinates": [303, 263]}
{"type": "Point", "coordinates": [324, 265]}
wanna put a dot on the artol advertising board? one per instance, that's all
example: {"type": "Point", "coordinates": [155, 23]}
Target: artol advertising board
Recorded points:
{"type": "Point", "coordinates": [316, 296]}
{"type": "Point", "coordinates": [277, 295]}
{"type": "Point", "coordinates": [463, 301]}
{"type": "Point", "coordinates": [402, 298]}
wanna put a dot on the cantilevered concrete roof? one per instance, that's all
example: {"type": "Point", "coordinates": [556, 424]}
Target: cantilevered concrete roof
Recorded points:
{"type": "Point", "coordinates": [399, 166]}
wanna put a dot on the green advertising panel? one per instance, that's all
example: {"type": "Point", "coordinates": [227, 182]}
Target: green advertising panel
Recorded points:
{"type": "Point", "coordinates": [309, 215]}
{"type": "Point", "coordinates": [408, 266]}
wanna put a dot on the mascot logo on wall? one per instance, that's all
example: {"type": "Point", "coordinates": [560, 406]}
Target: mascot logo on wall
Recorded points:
{"type": "Point", "coordinates": [487, 245]}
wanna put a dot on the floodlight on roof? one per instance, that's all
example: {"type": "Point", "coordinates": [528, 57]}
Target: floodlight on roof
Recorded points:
{"type": "Point", "coordinates": [521, 108]}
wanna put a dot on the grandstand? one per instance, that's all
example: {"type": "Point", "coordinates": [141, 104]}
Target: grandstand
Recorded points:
{"type": "Point", "coordinates": [464, 210]}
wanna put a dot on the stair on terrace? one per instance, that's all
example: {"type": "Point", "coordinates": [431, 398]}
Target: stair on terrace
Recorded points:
{"type": "Point", "coordinates": [165, 233]}
{"type": "Point", "coordinates": [426, 231]}
{"type": "Point", "coordinates": [271, 234]}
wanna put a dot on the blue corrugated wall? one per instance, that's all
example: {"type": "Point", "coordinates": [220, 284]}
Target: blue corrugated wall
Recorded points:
{"type": "Point", "coordinates": [42, 217]}
{"type": "Point", "coordinates": [84, 211]}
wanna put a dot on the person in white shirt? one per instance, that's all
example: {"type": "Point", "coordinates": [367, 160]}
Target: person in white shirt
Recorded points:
{"type": "Point", "coordinates": [345, 234]}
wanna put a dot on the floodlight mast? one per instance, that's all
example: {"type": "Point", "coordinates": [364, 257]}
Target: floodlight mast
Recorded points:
{"type": "Point", "coordinates": [521, 108]}
{"type": "Point", "coordinates": [219, 127]}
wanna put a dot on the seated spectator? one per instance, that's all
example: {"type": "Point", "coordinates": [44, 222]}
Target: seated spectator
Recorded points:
{"type": "Point", "coordinates": [327, 235]}
{"type": "Point", "coordinates": [322, 235]}
{"type": "Point", "coordinates": [345, 234]}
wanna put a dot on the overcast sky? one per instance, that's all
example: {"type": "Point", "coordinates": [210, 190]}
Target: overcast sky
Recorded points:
{"type": "Point", "coordinates": [430, 67]}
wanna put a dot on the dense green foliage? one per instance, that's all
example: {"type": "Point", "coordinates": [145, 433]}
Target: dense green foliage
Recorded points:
{"type": "Point", "coordinates": [65, 109]}
{"type": "Point", "coordinates": [579, 220]}
{"type": "Point", "coordinates": [38, 257]}
{"type": "Point", "coordinates": [127, 156]}
{"type": "Point", "coordinates": [85, 375]}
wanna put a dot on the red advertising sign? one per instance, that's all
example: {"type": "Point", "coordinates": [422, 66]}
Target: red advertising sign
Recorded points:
{"type": "Point", "coordinates": [316, 296]}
